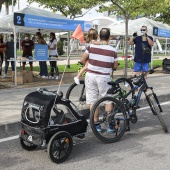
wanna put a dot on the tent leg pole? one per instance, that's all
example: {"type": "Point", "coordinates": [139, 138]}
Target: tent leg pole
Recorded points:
{"type": "Point", "coordinates": [15, 56]}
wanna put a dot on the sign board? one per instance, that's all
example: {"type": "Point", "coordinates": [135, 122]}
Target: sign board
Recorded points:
{"type": "Point", "coordinates": [41, 52]}
{"type": "Point", "coordinates": [50, 23]}
{"type": "Point", "coordinates": [161, 32]}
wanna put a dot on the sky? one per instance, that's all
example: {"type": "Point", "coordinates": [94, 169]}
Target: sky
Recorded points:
{"type": "Point", "coordinates": [23, 3]}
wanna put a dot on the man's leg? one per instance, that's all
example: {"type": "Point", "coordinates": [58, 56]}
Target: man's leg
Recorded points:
{"type": "Point", "coordinates": [13, 65]}
{"type": "Point", "coordinates": [31, 66]}
{"type": "Point", "coordinates": [145, 68]}
{"type": "Point", "coordinates": [91, 93]}
{"type": "Point", "coordinates": [137, 68]}
{"type": "Point", "coordinates": [23, 65]}
{"type": "Point", "coordinates": [6, 65]}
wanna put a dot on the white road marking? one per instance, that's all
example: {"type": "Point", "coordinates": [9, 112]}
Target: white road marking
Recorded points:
{"type": "Point", "coordinates": [15, 137]}
{"type": "Point", "coordinates": [8, 139]}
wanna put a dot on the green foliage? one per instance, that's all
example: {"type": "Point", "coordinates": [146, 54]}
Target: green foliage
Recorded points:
{"type": "Point", "coordinates": [69, 8]}
{"type": "Point", "coordinates": [60, 48]}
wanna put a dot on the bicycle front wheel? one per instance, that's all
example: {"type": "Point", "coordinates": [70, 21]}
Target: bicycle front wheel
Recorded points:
{"type": "Point", "coordinates": [76, 93]}
{"type": "Point", "coordinates": [112, 119]}
{"type": "Point", "coordinates": [151, 98]}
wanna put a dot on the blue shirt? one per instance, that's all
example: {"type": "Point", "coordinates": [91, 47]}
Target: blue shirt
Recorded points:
{"type": "Point", "coordinates": [140, 55]}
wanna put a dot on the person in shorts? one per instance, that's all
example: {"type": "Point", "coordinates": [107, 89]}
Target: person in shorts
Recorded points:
{"type": "Point", "coordinates": [101, 60]}
{"type": "Point", "coordinates": [143, 45]}
{"type": "Point", "coordinates": [27, 47]}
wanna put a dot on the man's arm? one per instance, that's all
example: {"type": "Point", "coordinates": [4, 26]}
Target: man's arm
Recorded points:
{"type": "Point", "coordinates": [150, 42]}
{"type": "Point", "coordinates": [84, 58]}
{"type": "Point", "coordinates": [131, 41]}
{"type": "Point", "coordinates": [115, 65]}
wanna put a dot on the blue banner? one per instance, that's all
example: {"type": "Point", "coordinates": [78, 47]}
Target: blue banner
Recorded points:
{"type": "Point", "coordinates": [41, 52]}
{"type": "Point", "coordinates": [50, 23]}
{"type": "Point", "coordinates": [161, 32]}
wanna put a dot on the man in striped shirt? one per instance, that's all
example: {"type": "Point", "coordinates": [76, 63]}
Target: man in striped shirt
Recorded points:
{"type": "Point", "coordinates": [102, 59]}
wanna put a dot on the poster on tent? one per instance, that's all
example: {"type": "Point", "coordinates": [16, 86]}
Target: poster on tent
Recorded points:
{"type": "Point", "coordinates": [28, 20]}
{"type": "Point", "coordinates": [41, 52]}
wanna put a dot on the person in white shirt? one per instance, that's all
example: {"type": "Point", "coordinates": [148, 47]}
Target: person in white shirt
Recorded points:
{"type": "Point", "coordinates": [52, 46]}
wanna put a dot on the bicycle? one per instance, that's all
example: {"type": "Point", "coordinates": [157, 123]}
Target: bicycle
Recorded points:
{"type": "Point", "coordinates": [122, 111]}
{"type": "Point", "coordinates": [77, 93]}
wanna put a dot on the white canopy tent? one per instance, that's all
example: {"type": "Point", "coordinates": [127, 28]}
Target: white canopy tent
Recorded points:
{"type": "Point", "coordinates": [135, 25]}
{"type": "Point", "coordinates": [7, 22]}
{"type": "Point", "coordinates": [32, 20]}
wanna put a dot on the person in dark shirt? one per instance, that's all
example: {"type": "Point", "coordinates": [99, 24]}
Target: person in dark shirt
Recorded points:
{"type": "Point", "coordinates": [143, 45]}
{"type": "Point", "coordinates": [27, 47]}
{"type": "Point", "coordinates": [9, 54]}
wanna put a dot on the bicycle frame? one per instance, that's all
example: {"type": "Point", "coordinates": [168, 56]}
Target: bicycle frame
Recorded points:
{"type": "Point", "coordinates": [143, 88]}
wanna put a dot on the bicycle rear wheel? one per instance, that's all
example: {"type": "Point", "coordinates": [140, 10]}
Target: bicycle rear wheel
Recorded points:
{"type": "Point", "coordinates": [76, 93]}
{"type": "Point", "coordinates": [126, 85]}
{"type": "Point", "coordinates": [154, 105]}
{"type": "Point", "coordinates": [112, 124]}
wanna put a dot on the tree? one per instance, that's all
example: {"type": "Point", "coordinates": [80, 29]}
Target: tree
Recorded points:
{"type": "Point", "coordinates": [130, 9]}
{"type": "Point", "coordinates": [164, 16]}
{"type": "Point", "coordinates": [7, 3]}
{"type": "Point", "coordinates": [68, 8]}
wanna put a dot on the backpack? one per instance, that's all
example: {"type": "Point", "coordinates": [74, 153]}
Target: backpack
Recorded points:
{"type": "Point", "coordinates": [166, 66]}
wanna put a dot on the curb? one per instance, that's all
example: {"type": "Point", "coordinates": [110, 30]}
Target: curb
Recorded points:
{"type": "Point", "coordinates": [16, 126]}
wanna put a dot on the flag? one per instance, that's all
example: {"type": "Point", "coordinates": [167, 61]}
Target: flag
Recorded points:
{"type": "Point", "coordinates": [78, 34]}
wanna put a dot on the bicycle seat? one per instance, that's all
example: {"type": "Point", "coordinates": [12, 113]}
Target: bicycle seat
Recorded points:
{"type": "Point", "coordinates": [114, 90]}
{"type": "Point", "coordinates": [112, 83]}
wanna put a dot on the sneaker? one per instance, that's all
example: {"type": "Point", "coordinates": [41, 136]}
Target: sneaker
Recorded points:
{"type": "Point", "coordinates": [98, 128]}
{"type": "Point", "coordinates": [77, 81]}
{"type": "Point", "coordinates": [57, 77]}
{"type": "Point", "coordinates": [39, 76]}
{"type": "Point", "coordinates": [51, 77]}
{"type": "Point", "coordinates": [110, 129]}
{"type": "Point", "coordinates": [45, 77]}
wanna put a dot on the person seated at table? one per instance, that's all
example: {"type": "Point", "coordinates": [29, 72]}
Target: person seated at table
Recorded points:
{"type": "Point", "coordinates": [9, 54]}
{"type": "Point", "coordinates": [52, 46]}
{"type": "Point", "coordinates": [27, 47]}
{"type": "Point", "coordinates": [43, 64]}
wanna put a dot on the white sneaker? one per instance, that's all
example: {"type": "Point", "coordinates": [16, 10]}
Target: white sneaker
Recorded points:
{"type": "Point", "coordinates": [51, 77]}
{"type": "Point", "coordinates": [39, 76]}
{"type": "Point", "coordinates": [57, 77]}
{"type": "Point", "coordinates": [45, 77]}
{"type": "Point", "coordinates": [77, 81]}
